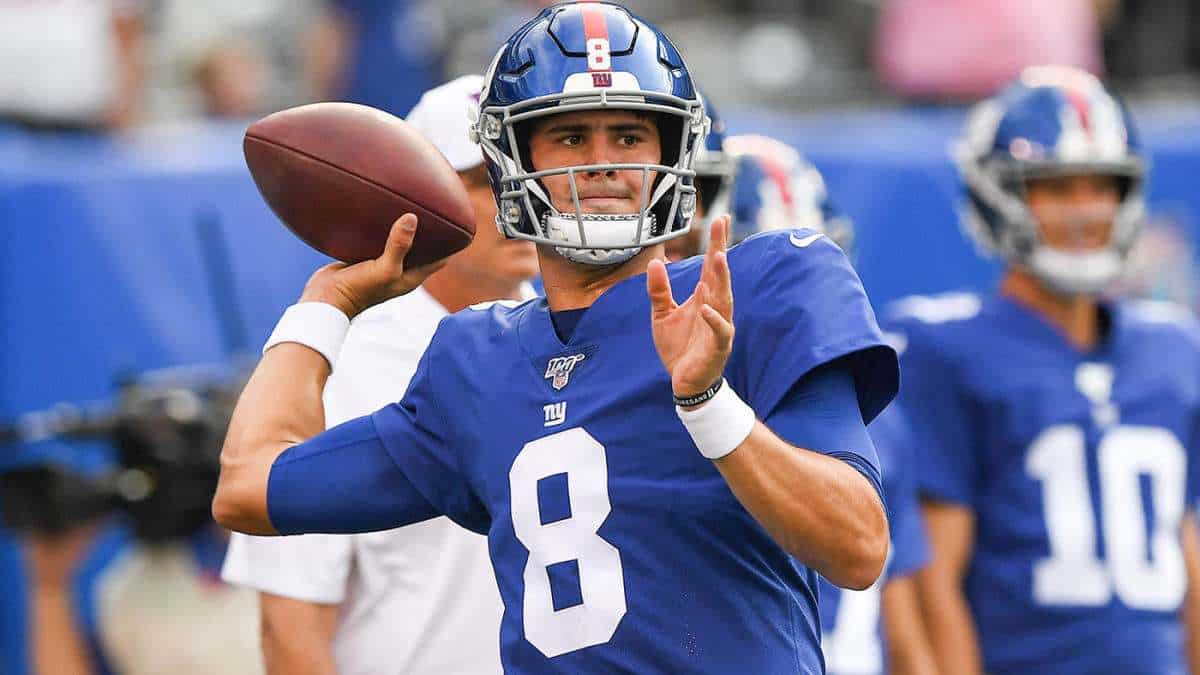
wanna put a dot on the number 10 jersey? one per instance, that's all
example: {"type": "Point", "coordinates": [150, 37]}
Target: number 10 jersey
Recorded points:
{"type": "Point", "coordinates": [1078, 467]}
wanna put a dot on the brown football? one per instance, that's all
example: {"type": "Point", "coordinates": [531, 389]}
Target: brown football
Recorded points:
{"type": "Point", "coordinates": [339, 174]}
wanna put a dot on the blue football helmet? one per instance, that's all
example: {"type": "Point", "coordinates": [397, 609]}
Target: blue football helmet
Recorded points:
{"type": "Point", "coordinates": [578, 57]}
{"type": "Point", "coordinates": [1053, 121]}
{"type": "Point", "coordinates": [715, 169]}
{"type": "Point", "coordinates": [776, 188]}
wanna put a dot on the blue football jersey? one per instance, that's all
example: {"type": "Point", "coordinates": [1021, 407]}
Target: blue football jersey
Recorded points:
{"type": "Point", "coordinates": [617, 547]}
{"type": "Point", "coordinates": [852, 634]}
{"type": "Point", "coordinates": [1078, 467]}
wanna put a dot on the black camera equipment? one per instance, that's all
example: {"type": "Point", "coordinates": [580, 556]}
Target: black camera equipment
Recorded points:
{"type": "Point", "coordinates": [167, 429]}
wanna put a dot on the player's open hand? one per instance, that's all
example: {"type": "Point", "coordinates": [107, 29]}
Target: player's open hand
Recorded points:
{"type": "Point", "coordinates": [694, 339]}
{"type": "Point", "coordinates": [354, 288]}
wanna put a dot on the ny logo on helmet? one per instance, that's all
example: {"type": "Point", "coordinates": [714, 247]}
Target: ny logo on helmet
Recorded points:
{"type": "Point", "coordinates": [558, 371]}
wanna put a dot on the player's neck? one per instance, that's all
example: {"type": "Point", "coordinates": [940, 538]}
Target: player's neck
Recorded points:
{"type": "Point", "coordinates": [1077, 317]}
{"type": "Point", "coordinates": [574, 286]}
{"type": "Point", "coordinates": [455, 291]}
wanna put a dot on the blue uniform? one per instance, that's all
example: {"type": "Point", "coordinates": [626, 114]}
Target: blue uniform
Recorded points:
{"type": "Point", "coordinates": [850, 620]}
{"type": "Point", "coordinates": [616, 546]}
{"type": "Point", "coordinates": [1078, 468]}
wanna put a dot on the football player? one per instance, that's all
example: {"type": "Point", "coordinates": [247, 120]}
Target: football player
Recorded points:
{"type": "Point", "coordinates": [658, 496]}
{"type": "Point", "coordinates": [880, 629]}
{"type": "Point", "coordinates": [776, 188]}
{"type": "Point", "coordinates": [1058, 428]}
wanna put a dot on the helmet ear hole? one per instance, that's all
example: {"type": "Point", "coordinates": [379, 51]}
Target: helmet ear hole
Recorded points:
{"type": "Point", "coordinates": [707, 187]}
{"type": "Point", "coordinates": [524, 131]}
{"type": "Point", "coordinates": [670, 129]}
{"type": "Point", "coordinates": [1124, 186]}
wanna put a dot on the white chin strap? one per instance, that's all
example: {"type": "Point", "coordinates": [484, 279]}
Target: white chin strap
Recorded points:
{"type": "Point", "coordinates": [603, 231]}
{"type": "Point", "coordinates": [1085, 273]}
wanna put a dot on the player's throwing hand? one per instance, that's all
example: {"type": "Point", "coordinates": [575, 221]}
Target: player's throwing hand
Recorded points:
{"type": "Point", "coordinates": [354, 288]}
{"type": "Point", "coordinates": [694, 339]}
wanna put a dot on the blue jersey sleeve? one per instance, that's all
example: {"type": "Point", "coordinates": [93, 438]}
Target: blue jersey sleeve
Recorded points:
{"type": "Point", "coordinates": [820, 413]}
{"type": "Point", "coordinates": [395, 467]}
{"type": "Point", "coordinates": [421, 438]}
{"type": "Point", "coordinates": [894, 444]}
{"type": "Point", "coordinates": [341, 482]}
{"type": "Point", "coordinates": [798, 304]}
{"type": "Point", "coordinates": [939, 414]}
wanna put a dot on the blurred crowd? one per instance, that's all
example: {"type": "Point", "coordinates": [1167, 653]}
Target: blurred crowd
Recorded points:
{"type": "Point", "coordinates": [113, 64]}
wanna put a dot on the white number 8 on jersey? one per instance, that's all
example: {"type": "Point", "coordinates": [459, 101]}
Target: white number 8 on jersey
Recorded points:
{"type": "Point", "coordinates": [601, 582]}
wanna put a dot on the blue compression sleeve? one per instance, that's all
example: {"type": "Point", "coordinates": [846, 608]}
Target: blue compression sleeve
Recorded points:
{"type": "Point", "coordinates": [821, 413]}
{"type": "Point", "coordinates": [342, 482]}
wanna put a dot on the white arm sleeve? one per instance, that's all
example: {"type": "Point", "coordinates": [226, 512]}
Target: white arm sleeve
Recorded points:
{"type": "Point", "coordinates": [310, 567]}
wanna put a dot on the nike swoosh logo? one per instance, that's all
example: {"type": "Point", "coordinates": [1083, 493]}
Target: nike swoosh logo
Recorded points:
{"type": "Point", "coordinates": [804, 242]}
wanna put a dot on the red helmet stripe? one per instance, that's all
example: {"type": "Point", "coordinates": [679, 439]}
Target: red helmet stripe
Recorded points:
{"type": "Point", "coordinates": [779, 174]}
{"type": "Point", "coordinates": [1083, 107]}
{"type": "Point", "coordinates": [595, 27]}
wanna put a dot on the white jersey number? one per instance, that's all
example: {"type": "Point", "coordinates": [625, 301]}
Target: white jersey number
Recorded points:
{"type": "Point", "coordinates": [577, 454]}
{"type": "Point", "coordinates": [1074, 574]}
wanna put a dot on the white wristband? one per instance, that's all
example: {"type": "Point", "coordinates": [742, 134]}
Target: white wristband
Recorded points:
{"type": "Point", "coordinates": [316, 325]}
{"type": "Point", "coordinates": [719, 426]}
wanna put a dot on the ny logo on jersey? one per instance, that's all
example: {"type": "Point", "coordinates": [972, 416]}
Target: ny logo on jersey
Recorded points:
{"type": "Point", "coordinates": [556, 413]}
{"type": "Point", "coordinates": [558, 371]}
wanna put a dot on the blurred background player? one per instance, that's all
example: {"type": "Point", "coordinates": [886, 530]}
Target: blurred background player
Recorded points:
{"type": "Point", "coordinates": [1057, 427]}
{"type": "Point", "coordinates": [764, 184]}
{"type": "Point", "coordinates": [776, 188]}
{"type": "Point", "coordinates": [420, 599]}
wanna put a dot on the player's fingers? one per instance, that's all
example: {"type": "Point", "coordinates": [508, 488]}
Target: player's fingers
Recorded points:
{"type": "Point", "coordinates": [699, 296]}
{"type": "Point", "coordinates": [722, 329]}
{"type": "Point", "coordinates": [722, 286]}
{"type": "Point", "coordinates": [399, 241]}
{"type": "Point", "coordinates": [719, 233]}
{"type": "Point", "coordinates": [717, 239]}
{"type": "Point", "coordinates": [658, 287]}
